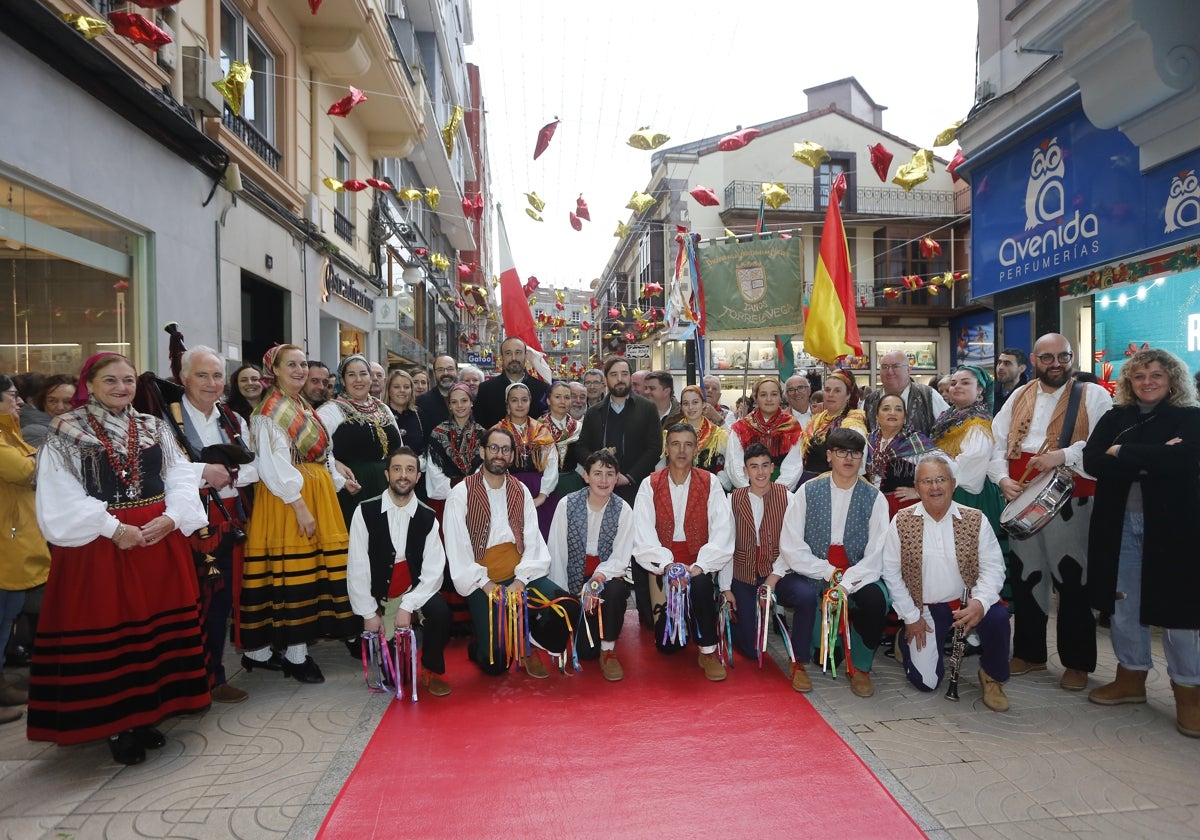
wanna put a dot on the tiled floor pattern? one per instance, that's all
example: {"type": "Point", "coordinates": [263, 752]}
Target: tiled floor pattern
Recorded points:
{"type": "Point", "coordinates": [1055, 766]}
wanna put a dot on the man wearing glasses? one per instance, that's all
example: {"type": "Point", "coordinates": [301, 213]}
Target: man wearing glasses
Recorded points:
{"type": "Point", "coordinates": [493, 540]}
{"type": "Point", "coordinates": [933, 551]}
{"type": "Point", "coordinates": [799, 393]}
{"type": "Point", "coordinates": [833, 534]}
{"type": "Point", "coordinates": [922, 404]}
{"type": "Point", "coordinates": [1030, 440]}
{"type": "Point", "coordinates": [432, 406]}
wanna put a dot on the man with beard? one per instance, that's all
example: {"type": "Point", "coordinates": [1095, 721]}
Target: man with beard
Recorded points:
{"type": "Point", "coordinates": [1010, 375]}
{"type": "Point", "coordinates": [627, 426]}
{"type": "Point", "coordinates": [396, 565]}
{"type": "Point", "coordinates": [378, 377]}
{"type": "Point", "coordinates": [316, 387]}
{"type": "Point", "coordinates": [593, 381]}
{"type": "Point", "coordinates": [1033, 433]}
{"type": "Point", "coordinates": [922, 404]}
{"type": "Point", "coordinates": [579, 399]}
{"type": "Point", "coordinates": [493, 540]}
{"type": "Point", "coordinates": [490, 405]}
{"type": "Point", "coordinates": [432, 406]}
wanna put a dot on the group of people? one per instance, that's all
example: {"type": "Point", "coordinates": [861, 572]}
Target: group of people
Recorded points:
{"type": "Point", "coordinates": [280, 515]}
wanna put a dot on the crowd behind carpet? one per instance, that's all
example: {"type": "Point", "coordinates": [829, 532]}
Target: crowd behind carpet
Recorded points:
{"type": "Point", "coordinates": [165, 518]}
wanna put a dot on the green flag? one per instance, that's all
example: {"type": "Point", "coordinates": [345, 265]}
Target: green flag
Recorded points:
{"type": "Point", "coordinates": [751, 288]}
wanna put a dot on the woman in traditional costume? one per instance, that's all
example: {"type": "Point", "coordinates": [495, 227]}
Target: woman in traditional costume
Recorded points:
{"type": "Point", "coordinates": [711, 439]}
{"type": "Point", "coordinates": [892, 451]}
{"type": "Point", "coordinates": [363, 430]}
{"type": "Point", "coordinates": [772, 425]}
{"type": "Point", "coordinates": [839, 410]}
{"type": "Point", "coordinates": [118, 646]}
{"type": "Point", "coordinates": [964, 432]}
{"type": "Point", "coordinates": [565, 430]}
{"type": "Point", "coordinates": [294, 578]}
{"type": "Point", "coordinates": [535, 460]}
{"type": "Point", "coordinates": [453, 450]}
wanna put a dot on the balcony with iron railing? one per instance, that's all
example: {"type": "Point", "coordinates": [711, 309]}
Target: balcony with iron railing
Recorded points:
{"type": "Point", "coordinates": [249, 135]}
{"type": "Point", "coordinates": [803, 198]}
{"type": "Point", "coordinates": [343, 227]}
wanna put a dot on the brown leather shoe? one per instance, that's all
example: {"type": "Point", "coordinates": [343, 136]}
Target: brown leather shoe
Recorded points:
{"type": "Point", "coordinates": [801, 681]}
{"type": "Point", "coordinates": [225, 693]}
{"type": "Point", "coordinates": [713, 669]}
{"type": "Point", "coordinates": [1127, 687]}
{"type": "Point", "coordinates": [610, 666]}
{"type": "Point", "coordinates": [993, 693]}
{"type": "Point", "coordinates": [1073, 680]}
{"type": "Point", "coordinates": [861, 685]}
{"type": "Point", "coordinates": [534, 667]}
{"type": "Point", "coordinates": [437, 686]}
{"type": "Point", "coordinates": [1018, 666]}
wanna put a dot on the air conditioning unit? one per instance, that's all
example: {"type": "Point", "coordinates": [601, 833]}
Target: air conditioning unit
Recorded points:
{"type": "Point", "coordinates": [200, 70]}
{"type": "Point", "coordinates": [315, 213]}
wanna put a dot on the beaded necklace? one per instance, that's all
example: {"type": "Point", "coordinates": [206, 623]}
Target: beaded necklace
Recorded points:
{"type": "Point", "coordinates": [127, 468]}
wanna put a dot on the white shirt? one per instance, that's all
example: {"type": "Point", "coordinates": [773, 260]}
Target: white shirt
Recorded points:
{"type": "Point", "coordinates": [1095, 398]}
{"type": "Point", "coordinates": [460, 555]}
{"type": "Point", "coordinates": [613, 566]}
{"type": "Point", "coordinates": [735, 463]}
{"type": "Point", "coordinates": [714, 556]}
{"type": "Point", "coordinates": [795, 555]}
{"type": "Point", "coordinates": [208, 428]}
{"type": "Point", "coordinates": [802, 417]}
{"type": "Point", "coordinates": [935, 400]}
{"type": "Point", "coordinates": [973, 460]}
{"type": "Point", "coordinates": [274, 460]}
{"type": "Point", "coordinates": [358, 561]}
{"type": "Point", "coordinates": [940, 578]}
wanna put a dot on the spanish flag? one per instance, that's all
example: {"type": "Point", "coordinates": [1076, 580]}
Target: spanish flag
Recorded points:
{"type": "Point", "coordinates": [831, 328]}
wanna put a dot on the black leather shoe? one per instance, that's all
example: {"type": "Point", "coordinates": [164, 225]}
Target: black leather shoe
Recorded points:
{"type": "Point", "coordinates": [306, 672]}
{"type": "Point", "coordinates": [149, 738]}
{"type": "Point", "coordinates": [125, 748]}
{"type": "Point", "coordinates": [275, 663]}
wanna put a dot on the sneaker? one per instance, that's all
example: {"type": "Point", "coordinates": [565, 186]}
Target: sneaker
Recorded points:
{"type": "Point", "coordinates": [861, 685]}
{"type": "Point", "coordinates": [1073, 680]}
{"type": "Point", "coordinates": [225, 693]}
{"type": "Point", "coordinates": [437, 686]}
{"type": "Point", "coordinates": [993, 693]}
{"type": "Point", "coordinates": [534, 667]}
{"type": "Point", "coordinates": [1018, 666]}
{"type": "Point", "coordinates": [610, 666]}
{"type": "Point", "coordinates": [801, 681]}
{"type": "Point", "coordinates": [713, 669]}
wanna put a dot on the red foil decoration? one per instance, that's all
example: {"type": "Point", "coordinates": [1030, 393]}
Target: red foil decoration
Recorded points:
{"type": "Point", "coordinates": [379, 184]}
{"type": "Point", "coordinates": [155, 4]}
{"type": "Point", "coordinates": [881, 160]}
{"type": "Point", "coordinates": [581, 209]}
{"type": "Point", "coordinates": [930, 247]}
{"type": "Point", "coordinates": [465, 271]}
{"type": "Point", "coordinates": [355, 185]}
{"type": "Point", "coordinates": [315, 5]}
{"type": "Point", "coordinates": [138, 29]}
{"type": "Point", "coordinates": [575, 223]}
{"type": "Point", "coordinates": [346, 104]}
{"type": "Point", "coordinates": [704, 196]}
{"type": "Point", "coordinates": [955, 162]}
{"type": "Point", "coordinates": [737, 140]}
{"type": "Point", "coordinates": [545, 134]}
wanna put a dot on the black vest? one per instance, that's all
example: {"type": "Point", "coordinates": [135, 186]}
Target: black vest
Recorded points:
{"type": "Point", "coordinates": [382, 553]}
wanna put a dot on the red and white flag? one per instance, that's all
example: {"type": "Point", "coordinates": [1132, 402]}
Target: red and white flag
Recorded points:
{"type": "Point", "coordinates": [515, 315]}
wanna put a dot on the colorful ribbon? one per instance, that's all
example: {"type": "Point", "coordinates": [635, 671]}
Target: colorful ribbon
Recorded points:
{"type": "Point", "coordinates": [538, 601]}
{"type": "Point", "coordinates": [835, 619]}
{"type": "Point", "coordinates": [787, 638]}
{"type": "Point", "coordinates": [677, 583]}
{"type": "Point", "coordinates": [375, 665]}
{"type": "Point", "coordinates": [405, 665]}
{"type": "Point", "coordinates": [590, 600]}
{"type": "Point", "coordinates": [764, 608]}
{"type": "Point", "coordinates": [724, 633]}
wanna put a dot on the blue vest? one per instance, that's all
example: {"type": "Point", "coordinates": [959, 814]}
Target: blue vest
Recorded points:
{"type": "Point", "coordinates": [577, 534]}
{"type": "Point", "coordinates": [818, 516]}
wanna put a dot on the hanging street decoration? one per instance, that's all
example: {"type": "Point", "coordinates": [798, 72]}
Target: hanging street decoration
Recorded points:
{"type": "Point", "coordinates": [621, 231]}
{"type": "Point", "coordinates": [544, 136]}
{"type": "Point", "coordinates": [138, 29]}
{"type": "Point", "coordinates": [346, 104]}
{"type": "Point", "coordinates": [775, 195]}
{"type": "Point", "coordinates": [155, 4]}
{"type": "Point", "coordinates": [930, 247]}
{"type": "Point", "coordinates": [533, 214]}
{"type": "Point", "coordinates": [915, 171]}
{"type": "Point", "coordinates": [410, 194]}
{"type": "Point", "coordinates": [439, 261]}
{"type": "Point", "coordinates": [575, 223]}
{"type": "Point", "coordinates": [640, 201]}
{"type": "Point", "coordinates": [535, 202]}
{"type": "Point", "coordinates": [881, 160]}
{"type": "Point", "coordinates": [451, 130]}
{"type": "Point", "coordinates": [89, 27]}
{"type": "Point", "coordinates": [810, 153]}
{"type": "Point", "coordinates": [355, 185]}
{"type": "Point", "coordinates": [379, 184]}
{"type": "Point", "coordinates": [233, 86]}
{"type": "Point", "coordinates": [946, 136]}
{"type": "Point", "coordinates": [334, 184]}
{"type": "Point", "coordinates": [704, 196]}
{"type": "Point", "coordinates": [581, 209]}
{"type": "Point", "coordinates": [956, 162]}
{"type": "Point", "coordinates": [315, 5]}
{"type": "Point", "coordinates": [647, 139]}
{"type": "Point", "coordinates": [737, 140]}
{"type": "Point", "coordinates": [432, 196]}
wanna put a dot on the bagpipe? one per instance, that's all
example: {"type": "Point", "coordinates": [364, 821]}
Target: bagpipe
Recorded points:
{"type": "Point", "coordinates": [163, 398]}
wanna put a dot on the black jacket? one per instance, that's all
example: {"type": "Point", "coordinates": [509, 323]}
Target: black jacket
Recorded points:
{"type": "Point", "coordinates": [638, 448]}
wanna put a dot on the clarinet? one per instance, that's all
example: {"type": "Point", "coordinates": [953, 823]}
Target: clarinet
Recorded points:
{"type": "Point", "coordinates": [957, 648]}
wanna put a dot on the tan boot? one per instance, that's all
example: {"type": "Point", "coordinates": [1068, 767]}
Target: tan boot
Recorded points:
{"type": "Point", "coordinates": [713, 669]}
{"type": "Point", "coordinates": [861, 685]}
{"type": "Point", "coordinates": [1128, 687]}
{"type": "Point", "coordinates": [801, 681]}
{"type": "Point", "coordinates": [534, 667]}
{"type": "Point", "coordinates": [1187, 709]}
{"type": "Point", "coordinates": [10, 696]}
{"type": "Point", "coordinates": [993, 692]}
{"type": "Point", "coordinates": [610, 666]}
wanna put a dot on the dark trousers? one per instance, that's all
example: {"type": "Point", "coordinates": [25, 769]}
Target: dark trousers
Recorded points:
{"type": "Point", "coordinates": [216, 620]}
{"type": "Point", "coordinates": [546, 626]}
{"type": "Point", "coordinates": [612, 608]}
{"type": "Point", "coordinates": [1075, 625]}
{"type": "Point", "coordinates": [435, 633]}
{"type": "Point", "coordinates": [993, 638]}
{"type": "Point", "coordinates": [641, 595]}
{"type": "Point", "coordinates": [701, 618]}
{"type": "Point", "coordinates": [794, 591]}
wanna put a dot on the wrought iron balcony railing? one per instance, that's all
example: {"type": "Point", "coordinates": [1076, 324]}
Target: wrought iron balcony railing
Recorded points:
{"type": "Point", "coordinates": [881, 200]}
{"type": "Point", "coordinates": [249, 135]}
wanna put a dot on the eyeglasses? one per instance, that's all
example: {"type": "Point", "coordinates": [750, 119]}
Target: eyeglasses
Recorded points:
{"type": "Point", "coordinates": [897, 366]}
{"type": "Point", "coordinates": [1049, 358]}
{"type": "Point", "coordinates": [846, 453]}
{"type": "Point", "coordinates": [499, 450]}
{"type": "Point", "coordinates": [936, 481]}
{"type": "Point", "coordinates": [797, 390]}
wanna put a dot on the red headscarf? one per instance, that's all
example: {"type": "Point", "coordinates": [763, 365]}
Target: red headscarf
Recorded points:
{"type": "Point", "coordinates": [81, 392]}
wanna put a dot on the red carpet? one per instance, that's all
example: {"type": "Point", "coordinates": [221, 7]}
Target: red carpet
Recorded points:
{"type": "Point", "coordinates": [662, 753]}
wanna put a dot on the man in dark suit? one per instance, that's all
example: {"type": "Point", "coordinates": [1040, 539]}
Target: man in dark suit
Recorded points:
{"type": "Point", "coordinates": [431, 406]}
{"type": "Point", "coordinates": [628, 426]}
{"type": "Point", "coordinates": [489, 402]}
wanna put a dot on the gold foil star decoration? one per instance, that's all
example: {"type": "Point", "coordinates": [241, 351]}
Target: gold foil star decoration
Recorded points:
{"type": "Point", "coordinates": [810, 153]}
{"type": "Point", "coordinates": [535, 202]}
{"type": "Point", "coordinates": [946, 137]}
{"type": "Point", "coordinates": [410, 194]}
{"type": "Point", "coordinates": [233, 86]}
{"type": "Point", "coordinates": [775, 195]}
{"type": "Point", "coordinates": [640, 201]}
{"type": "Point", "coordinates": [914, 172]}
{"type": "Point", "coordinates": [89, 27]}
{"type": "Point", "coordinates": [432, 196]}
{"type": "Point", "coordinates": [646, 139]}
{"type": "Point", "coordinates": [451, 129]}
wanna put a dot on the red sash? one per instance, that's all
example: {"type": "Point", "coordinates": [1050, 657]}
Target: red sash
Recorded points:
{"type": "Point", "coordinates": [1084, 487]}
{"type": "Point", "coordinates": [590, 562]}
{"type": "Point", "coordinates": [837, 557]}
{"type": "Point", "coordinates": [681, 554]}
{"type": "Point", "coordinates": [401, 578]}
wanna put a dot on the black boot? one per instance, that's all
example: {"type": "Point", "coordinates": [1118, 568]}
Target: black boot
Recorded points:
{"type": "Point", "coordinates": [305, 672]}
{"type": "Point", "coordinates": [126, 749]}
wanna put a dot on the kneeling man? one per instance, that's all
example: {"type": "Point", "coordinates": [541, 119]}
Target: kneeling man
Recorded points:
{"type": "Point", "coordinates": [396, 565]}
{"type": "Point", "coordinates": [934, 552]}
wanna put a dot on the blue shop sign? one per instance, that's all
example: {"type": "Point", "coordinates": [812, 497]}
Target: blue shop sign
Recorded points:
{"type": "Point", "coordinates": [1069, 197]}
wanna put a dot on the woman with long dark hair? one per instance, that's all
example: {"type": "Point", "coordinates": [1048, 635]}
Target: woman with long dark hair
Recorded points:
{"type": "Point", "coordinates": [245, 390]}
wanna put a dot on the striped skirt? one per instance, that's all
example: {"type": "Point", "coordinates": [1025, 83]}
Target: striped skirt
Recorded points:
{"type": "Point", "coordinates": [294, 587]}
{"type": "Point", "coordinates": [118, 642]}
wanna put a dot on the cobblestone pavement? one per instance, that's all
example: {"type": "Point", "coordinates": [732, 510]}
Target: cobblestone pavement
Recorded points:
{"type": "Point", "coordinates": [1053, 766]}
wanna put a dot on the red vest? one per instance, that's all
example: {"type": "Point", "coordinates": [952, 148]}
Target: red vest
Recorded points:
{"type": "Point", "coordinates": [695, 518]}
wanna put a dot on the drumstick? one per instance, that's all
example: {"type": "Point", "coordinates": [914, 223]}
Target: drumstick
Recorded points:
{"type": "Point", "coordinates": [1029, 466]}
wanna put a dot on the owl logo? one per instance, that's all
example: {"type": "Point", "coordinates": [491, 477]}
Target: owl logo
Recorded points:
{"type": "Point", "coordinates": [1183, 202]}
{"type": "Point", "coordinates": [1044, 193]}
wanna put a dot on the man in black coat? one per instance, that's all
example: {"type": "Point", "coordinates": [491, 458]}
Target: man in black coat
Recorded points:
{"type": "Point", "coordinates": [628, 426]}
{"type": "Point", "coordinates": [431, 406]}
{"type": "Point", "coordinates": [490, 406]}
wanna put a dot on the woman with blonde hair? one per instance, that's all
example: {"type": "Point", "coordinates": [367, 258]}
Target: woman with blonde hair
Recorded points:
{"type": "Point", "coordinates": [775, 427]}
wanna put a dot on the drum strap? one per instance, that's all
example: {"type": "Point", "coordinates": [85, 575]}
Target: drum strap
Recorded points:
{"type": "Point", "coordinates": [1064, 437]}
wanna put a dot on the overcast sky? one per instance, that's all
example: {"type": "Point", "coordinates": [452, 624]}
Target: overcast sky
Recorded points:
{"type": "Point", "coordinates": [690, 70]}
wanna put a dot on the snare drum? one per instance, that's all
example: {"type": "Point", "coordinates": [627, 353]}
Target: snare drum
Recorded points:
{"type": "Point", "coordinates": [1039, 502]}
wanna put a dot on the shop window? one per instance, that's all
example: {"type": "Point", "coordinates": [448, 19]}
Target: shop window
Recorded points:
{"type": "Point", "coordinates": [921, 355]}
{"type": "Point", "coordinates": [69, 284]}
{"type": "Point", "coordinates": [255, 122]}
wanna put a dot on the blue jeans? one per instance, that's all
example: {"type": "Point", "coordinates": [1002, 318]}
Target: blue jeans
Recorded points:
{"type": "Point", "coordinates": [10, 607]}
{"type": "Point", "coordinates": [1131, 638]}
